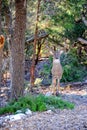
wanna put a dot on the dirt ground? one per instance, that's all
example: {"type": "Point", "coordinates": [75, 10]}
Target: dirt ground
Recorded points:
{"type": "Point", "coordinates": [57, 119]}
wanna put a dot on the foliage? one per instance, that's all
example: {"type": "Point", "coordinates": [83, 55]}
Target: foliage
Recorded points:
{"type": "Point", "coordinates": [62, 19]}
{"type": "Point", "coordinates": [46, 71]}
{"type": "Point", "coordinates": [65, 20]}
{"type": "Point", "coordinates": [28, 51]}
{"type": "Point", "coordinates": [73, 70]}
{"type": "Point", "coordinates": [77, 30]}
{"type": "Point", "coordinates": [36, 103]}
{"type": "Point", "coordinates": [57, 102]}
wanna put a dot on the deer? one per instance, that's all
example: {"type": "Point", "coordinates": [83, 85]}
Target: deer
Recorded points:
{"type": "Point", "coordinates": [57, 70]}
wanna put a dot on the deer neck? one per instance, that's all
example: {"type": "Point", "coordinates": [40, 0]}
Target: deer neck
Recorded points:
{"type": "Point", "coordinates": [56, 60]}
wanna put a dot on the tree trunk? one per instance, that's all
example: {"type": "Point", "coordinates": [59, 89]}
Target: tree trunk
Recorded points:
{"type": "Point", "coordinates": [0, 15]}
{"type": "Point", "coordinates": [1, 54]}
{"type": "Point", "coordinates": [17, 49]}
{"type": "Point", "coordinates": [0, 49]}
{"type": "Point", "coordinates": [39, 45]}
{"type": "Point", "coordinates": [32, 80]}
{"type": "Point", "coordinates": [9, 34]}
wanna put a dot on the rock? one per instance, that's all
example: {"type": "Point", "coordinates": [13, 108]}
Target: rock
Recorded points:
{"type": "Point", "coordinates": [1, 124]}
{"type": "Point", "coordinates": [7, 118]}
{"type": "Point", "coordinates": [28, 112]}
{"type": "Point", "coordinates": [17, 116]}
{"type": "Point", "coordinates": [48, 94]}
{"type": "Point", "coordinates": [85, 124]}
{"type": "Point", "coordinates": [49, 111]}
{"type": "Point", "coordinates": [86, 81]}
{"type": "Point", "coordinates": [46, 81]}
{"type": "Point", "coordinates": [27, 76]}
{"type": "Point", "coordinates": [18, 111]}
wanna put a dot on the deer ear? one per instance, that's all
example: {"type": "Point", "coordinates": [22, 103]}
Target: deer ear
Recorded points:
{"type": "Point", "coordinates": [61, 51]}
{"type": "Point", "coordinates": [51, 52]}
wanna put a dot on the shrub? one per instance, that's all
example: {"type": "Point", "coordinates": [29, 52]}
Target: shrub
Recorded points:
{"type": "Point", "coordinates": [36, 103]}
{"type": "Point", "coordinates": [73, 70]}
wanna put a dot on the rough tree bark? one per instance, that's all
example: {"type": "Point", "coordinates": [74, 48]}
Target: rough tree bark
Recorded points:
{"type": "Point", "coordinates": [9, 34]}
{"type": "Point", "coordinates": [0, 34]}
{"type": "Point", "coordinates": [1, 48]}
{"type": "Point", "coordinates": [2, 39]}
{"type": "Point", "coordinates": [17, 50]}
{"type": "Point", "coordinates": [0, 15]}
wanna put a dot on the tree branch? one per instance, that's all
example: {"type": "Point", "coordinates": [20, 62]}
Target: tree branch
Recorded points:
{"type": "Point", "coordinates": [83, 41]}
{"type": "Point", "coordinates": [56, 41]}
{"type": "Point", "coordinates": [84, 20]}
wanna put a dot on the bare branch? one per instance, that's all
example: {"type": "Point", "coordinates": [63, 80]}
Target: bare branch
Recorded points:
{"type": "Point", "coordinates": [83, 41]}
{"type": "Point", "coordinates": [84, 20]}
{"type": "Point", "coordinates": [56, 41]}
{"type": "Point", "coordinates": [50, 50]}
{"type": "Point", "coordinates": [40, 35]}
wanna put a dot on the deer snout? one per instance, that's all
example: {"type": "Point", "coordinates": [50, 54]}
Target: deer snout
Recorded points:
{"type": "Point", "coordinates": [57, 57]}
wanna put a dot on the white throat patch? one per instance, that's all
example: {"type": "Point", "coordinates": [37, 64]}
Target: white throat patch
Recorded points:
{"type": "Point", "coordinates": [56, 61]}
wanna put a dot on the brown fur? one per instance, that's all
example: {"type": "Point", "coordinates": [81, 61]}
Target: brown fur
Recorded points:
{"type": "Point", "coordinates": [57, 71]}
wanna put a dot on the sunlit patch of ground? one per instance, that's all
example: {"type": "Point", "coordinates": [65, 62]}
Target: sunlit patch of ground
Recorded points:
{"type": "Point", "coordinates": [82, 90]}
{"type": "Point", "coordinates": [76, 92]}
{"type": "Point", "coordinates": [67, 90]}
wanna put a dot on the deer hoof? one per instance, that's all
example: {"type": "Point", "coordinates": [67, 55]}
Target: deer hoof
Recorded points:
{"type": "Point", "coordinates": [57, 93]}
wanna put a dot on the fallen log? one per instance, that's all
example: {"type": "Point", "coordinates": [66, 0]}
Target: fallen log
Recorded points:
{"type": "Point", "coordinates": [74, 84]}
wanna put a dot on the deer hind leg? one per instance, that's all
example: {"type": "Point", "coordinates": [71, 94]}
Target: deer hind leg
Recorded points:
{"type": "Point", "coordinates": [53, 85]}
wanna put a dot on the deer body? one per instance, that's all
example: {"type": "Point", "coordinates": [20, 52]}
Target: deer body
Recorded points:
{"type": "Point", "coordinates": [57, 69]}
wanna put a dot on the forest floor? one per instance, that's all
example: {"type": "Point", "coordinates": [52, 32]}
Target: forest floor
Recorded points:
{"type": "Point", "coordinates": [75, 119]}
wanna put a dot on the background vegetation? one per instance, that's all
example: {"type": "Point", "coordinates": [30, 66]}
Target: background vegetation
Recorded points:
{"type": "Point", "coordinates": [62, 24]}
{"type": "Point", "coordinates": [36, 103]}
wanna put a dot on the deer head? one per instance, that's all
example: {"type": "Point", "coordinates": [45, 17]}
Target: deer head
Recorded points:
{"type": "Point", "coordinates": [55, 53]}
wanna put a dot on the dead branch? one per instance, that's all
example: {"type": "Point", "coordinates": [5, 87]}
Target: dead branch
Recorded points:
{"type": "Point", "coordinates": [74, 84]}
{"type": "Point", "coordinates": [83, 41]}
{"type": "Point", "coordinates": [41, 34]}
{"type": "Point", "coordinates": [84, 20]}
{"type": "Point", "coordinates": [56, 41]}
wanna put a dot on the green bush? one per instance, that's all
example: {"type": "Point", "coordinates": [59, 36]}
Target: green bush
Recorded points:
{"type": "Point", "coordinates": [73, 70]}
{"type": "Point", "coordinates": [46, 71]}
{"type": "Point", "coordinates": [36, 103]}
{"type": "Point", "coordinates": [58, 102]}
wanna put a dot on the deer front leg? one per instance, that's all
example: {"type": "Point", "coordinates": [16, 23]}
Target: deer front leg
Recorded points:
{"type": "Point", "coordinates": [58, 86]}
{"type": "Point", "coordinates": [53, 85]}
